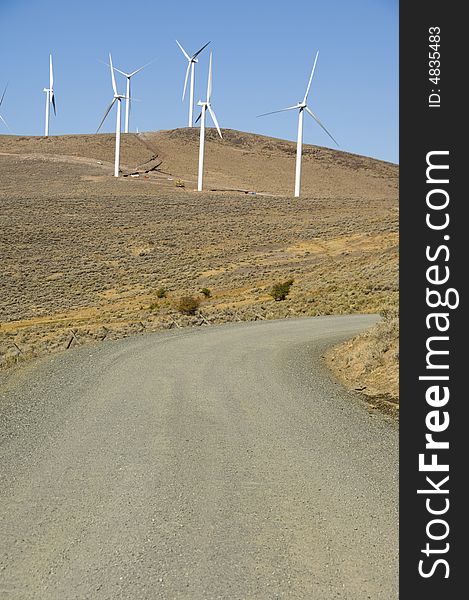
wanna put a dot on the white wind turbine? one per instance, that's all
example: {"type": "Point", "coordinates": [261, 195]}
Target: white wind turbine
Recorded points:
{"type": "Point", "coordinates": [302, 106]}
{"type": "Point", "coordinates": [50, 97]}
{"type": "Point", "coordinates": [128, 97]}
{"type": "Point", "coordinates": [204, 107]}
{"type": "Point", "coordinates": [117, 98]}
{"type": "Point", "coordinates": [1, 102]}
{"type": "Point", "coordinates": [192, 60]}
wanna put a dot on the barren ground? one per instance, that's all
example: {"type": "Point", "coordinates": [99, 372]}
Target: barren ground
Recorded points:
{"type": "Point", "coordinates": [83, 254]}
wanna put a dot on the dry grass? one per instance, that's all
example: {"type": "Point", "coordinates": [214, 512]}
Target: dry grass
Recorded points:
{"type": "Point", "coordinates": [369, 363]}
{"type": "Point", "coordinates": [83, 254]}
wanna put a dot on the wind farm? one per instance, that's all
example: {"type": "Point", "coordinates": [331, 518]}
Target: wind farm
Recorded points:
{"type": "Point", "coordinates": [229, 167]}
{"type": "Point", "coordinates": [198, 306]}
{"type": "Point", "coordinates": [205, 106]}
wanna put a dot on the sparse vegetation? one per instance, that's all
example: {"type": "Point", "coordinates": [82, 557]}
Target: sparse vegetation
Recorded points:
{"type": "Point", "coordinates": [188, 305]}
{"type": "Point", "coordinates": [281, 290]}
{"type": "Point", "coordinates": [161, 292]}
{"type": "Point", "coordinates": [206, 292]}
{"type": "Point", "coordinates": [101, 274]}
{"type": "Point", "coordinates": [179, 183]}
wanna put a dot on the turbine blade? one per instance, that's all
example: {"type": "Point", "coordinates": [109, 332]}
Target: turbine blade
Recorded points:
{"type": "Point", "coordinates": [141, 68]}
{"type": "Point", "coordinates": [106, 114]}
{"type": "Point", "coordinates": [199, 117]}
{"type": "Point", "coordinates": [273, 112]}
{"type": "Point", "coordinates": [3, 95]}
{"type": "Point", "coordinates": [199, 51]}
{"type": "Point", "coordinates": [311, 76]}
{"type": "Point", "coordinates": [52, 96]}
{"type": "Point", "coordinates": [51, 73]}
{"type": "Point", "coordinates": [121, 72]}
{"type": "Point", "coordinates": [214, 118]}
{"type": "Point", "coordinates": [114, 86]}
{"type": "Point", "coordinates": [308, 110]}
{"type": "Point", "coordinates": [185, 80]}
{"type": "Point", "coordinates": [183, 51]}
{"type": "Point", "coordinates": [5, 123]}
{"type": "Point", "coordinates": [209, 81]}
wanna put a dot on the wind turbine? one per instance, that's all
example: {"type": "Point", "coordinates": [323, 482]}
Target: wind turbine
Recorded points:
{"type": "Point", "coordinates": [1, 102]}
{"type": "Point", "coordinates": [301, 107]}
{"type": "Point", "coordinates": [128, 96]}
{"type": "Point", "coordinates": [192, 60]}
{"type": "Point", "coordinates": [204, 107]}
{"type": "Point", "coordinates": [117, 98]}
{"type": "Point", "coordinates": [50, 97]}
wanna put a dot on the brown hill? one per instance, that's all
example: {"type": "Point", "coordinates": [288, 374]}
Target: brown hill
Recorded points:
{"type": "Point", "coordinates": [84, 254]}
{"type": "Point", "coordinates": [241, 161]}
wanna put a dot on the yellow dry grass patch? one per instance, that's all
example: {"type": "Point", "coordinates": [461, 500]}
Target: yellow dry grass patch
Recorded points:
{"type": "Point", "coordinates": [349, 243]}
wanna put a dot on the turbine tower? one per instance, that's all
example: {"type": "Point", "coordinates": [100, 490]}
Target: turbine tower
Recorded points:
{"type": "Point", "coordinates": [191, 62]}
{"type": "Point", "coordinates": [50, 97]}
{"type": "Point", "coordinates": [1, 102]}
{"type": "Point", "coordinates": [128, 97]}
{"type": "Point", "coordinates": [117, 98]}
{"type": "Point", "coordinates": [204, 107]}
{"type": "Point", "coordinates": [301, 107]}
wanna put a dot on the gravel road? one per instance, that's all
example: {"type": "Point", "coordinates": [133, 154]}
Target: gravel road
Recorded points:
{"type": "Point", "coordinates": [217, 463]}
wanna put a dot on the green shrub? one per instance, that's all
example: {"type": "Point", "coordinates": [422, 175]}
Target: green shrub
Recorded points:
{"type": "Point", "coordinates": [206, 292]}
{"type": "Point", "coordinates": [161, 292]}
{"type": "Point", "coordinates": [188, 305]}
{"type": "Point", "coordinates": [281, 290]}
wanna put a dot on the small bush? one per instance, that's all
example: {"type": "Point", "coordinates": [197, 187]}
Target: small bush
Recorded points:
{"type": "Point", "coordinates": [281, 290]}
{"type": "Point", "coordinates": [206, 292]}
{"type": "Point", "coordinates": [179, 183]}
{"type": "Point", "coordinates": [188, 305]}
{"type": "Point", "coordinates": [153, 306]}
{"type": "Point", "coordinates": [161, 292]}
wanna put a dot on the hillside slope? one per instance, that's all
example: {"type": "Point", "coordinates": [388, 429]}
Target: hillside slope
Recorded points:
{"type": "Point", "coordinates": [239, 161]}
{"type": "Point", "coordinates": [83, 253]}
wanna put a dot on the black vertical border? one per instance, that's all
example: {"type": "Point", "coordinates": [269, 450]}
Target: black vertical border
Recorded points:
{"type": "Point", "coordinates": [423, 129]}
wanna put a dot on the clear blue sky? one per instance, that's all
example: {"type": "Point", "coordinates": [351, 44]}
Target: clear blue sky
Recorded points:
{"type": "Point", "coordinates": [263, 52]}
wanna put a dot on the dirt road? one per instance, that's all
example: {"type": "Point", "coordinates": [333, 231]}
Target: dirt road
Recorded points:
{"type": "Point", "coordinates": [218, 463]}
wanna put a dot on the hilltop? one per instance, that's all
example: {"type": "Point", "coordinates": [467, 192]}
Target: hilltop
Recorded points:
{"type": "Point", "coordinates": [84, 253]}
{"type": "Point", "coordinates": [241, 161]}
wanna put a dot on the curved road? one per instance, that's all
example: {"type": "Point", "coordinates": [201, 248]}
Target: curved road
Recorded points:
{"type": "Point", "coordinates": [217, 463]}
